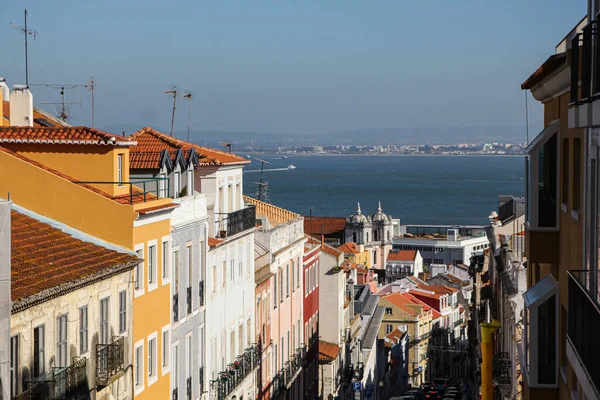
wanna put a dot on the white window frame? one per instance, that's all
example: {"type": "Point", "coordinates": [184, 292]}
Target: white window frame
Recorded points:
{"type": "Point", "coordinates": [154, 353]}
{"type": "Point", "coordinates": [166, 269]}
{"type": "Point", "coordinates": [139, 386]}
{"type": "Point", "coordinates": [190, 180]}
{"type": "Point", "coordinates": [163, 185]}
{"type": "Point", "coordinates": [120, 169]}
{"type": "Point", "coordinates": [175, 362]}
{"type": "Point", "coordinates": [59, 342]}
{"type": "Point", "coordinates": [154, 285]}
{"type": "Point", "coordinates": [123, 311]}
{"type": "Point", "coordinates": [176, 183]}
{"type": "Point", "coordinates": [532, 177]}
{"type": "Point", "coordinates": [549, 287]}
{"type": "Point", "coordinates": [165, 362]}
{"type": "Point", "coordinates": [142, 267]}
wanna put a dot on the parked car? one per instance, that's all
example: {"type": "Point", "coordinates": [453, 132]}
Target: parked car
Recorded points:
{"type": "Point", "coordinates": [440, 384]}
{"type": "Point", "coordinates": [426, 386]}
{"type": "Point", "coordinates": [418, 393]}
{"type": "Point", "coordinates": [433, 395]}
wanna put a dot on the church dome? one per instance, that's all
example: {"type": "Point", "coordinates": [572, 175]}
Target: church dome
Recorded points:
{"type": "Point", "coordinates": [358, 218]}
{"type": "Point", "coordinates": [379, 215]}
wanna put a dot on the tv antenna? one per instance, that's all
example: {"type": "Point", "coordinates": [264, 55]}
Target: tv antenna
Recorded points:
{"type": "Point", "coordinates": [27, 32]}
{"type": "Point", "coordinates": [189, 96]}
{"type": "Point", "coordinates": [64, 110]}
{"type": "Point", "coordinates": [91, 85]}
{"type": "Point", "coordinates": [262, 186]}
{"type": "Point", "coordinates": [174, 93]}
{"type": "Point", "coordinates": [229, 145]}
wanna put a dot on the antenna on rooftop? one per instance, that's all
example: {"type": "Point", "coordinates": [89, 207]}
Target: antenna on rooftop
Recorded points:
{"type": "Point", "coordinates": [64, 110]}
{"type": "Point", "coordinates": [174, 93]}
{"type": "Point", "coordinates": [262, 186]}
{"type": "Point", "coordinates": [27, 32]}
{"type": "Point", "coordinates": [91, 85]}
{"type": "Point", "coordinates": [229, 145]}
{"type": "Point", "coordinates": [189, 96]}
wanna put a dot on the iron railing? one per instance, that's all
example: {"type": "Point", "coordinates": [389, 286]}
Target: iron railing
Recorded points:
{"type": "Point", "coordinates": [201, 379]}
{"type": "Point", "coordinates": [174, 394]}
{"type": "Point", "coordinates": [110, 359]}
{"type": "Point", "coordinates": [70, 382]}
{"type": "Point", "coordinates": [501, 368]}
{"type": "Point", "coordinates": [137, 194]}
{"type": "Point", "coordinates": [175, 307]}
{"type": "Point", "coordinates": [201, 293]}
{"type": "Point", "coordinates": [236, 372]}
{"type": "Point", "coordinates": [286, 376]}
{"type": "Point", "coordinates": [584, 323]}
{"type": "Point", "coordinates": [189, 299]}
{"type": "Point", "coordinates": [589, 78]}
{"type": "Point", "coordinates": [188, 385]}
{"type": "Point", "coordinates": [237, 221]}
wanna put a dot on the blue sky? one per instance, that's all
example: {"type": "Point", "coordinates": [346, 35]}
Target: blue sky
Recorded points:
{"type": "Point", "coordinates": [281, 66]}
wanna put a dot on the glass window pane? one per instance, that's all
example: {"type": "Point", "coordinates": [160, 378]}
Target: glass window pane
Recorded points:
{"type": "Point", "coordinates": [547, 155]}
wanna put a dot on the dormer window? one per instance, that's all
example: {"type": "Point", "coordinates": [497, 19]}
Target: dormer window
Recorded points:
{"type": "Point", "coordinates": [190, 180]}
{"type": "Point", "coordinates": [541, 165]}
{"type": "Point", "coordinates": [176, 184]}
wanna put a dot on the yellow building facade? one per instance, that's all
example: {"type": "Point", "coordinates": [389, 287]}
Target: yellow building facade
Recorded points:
{"type": "Point", "coordinates": [80, 176]}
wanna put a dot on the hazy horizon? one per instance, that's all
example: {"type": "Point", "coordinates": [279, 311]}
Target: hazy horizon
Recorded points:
{"type": "Point", "coordinates": [305, 68]}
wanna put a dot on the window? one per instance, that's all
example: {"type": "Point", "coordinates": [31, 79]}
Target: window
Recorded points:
{"type": "Point", "coordinates": [281, 286]}
{"type": "Point", "coordinates": [83, 330]}
{"type": "Point", "coordinates": [541, 333]}
{"type": "Point", "coordinates": [224, 273]}
{"type": "Point", "coordinates": [275, 299]}
{"type": "Point", "coordinates": [39, 352]}
{"type": "Point", "coordinates": [188, 359]}
{"type": "Point", "coordinates": [162, 185]}
{"type": "Point", "coordinates": [232, 269]}
{"type": "Point", "coordinates": [151, 265]}
{"type": "Point", "coordinates": [306, 283]}
{"type": "Point", "coordinates": [166, 344]}
{"type": "Point", "coordinates": [152, 361]}
{"type": "Point", "coordinates": [542, 184]}
{"type": "Point", "coordinates": [275, 356]}
{"type": "Point", "coordinates": [139, 271]}
{"type": "Point", "coordinates": [190, 260]}
{"type": "Point", "coordinates": [287, 280]}
{"type": "Point", "coordinates": [388, 311]}
{"type": "Point", "coordinates": [175, 369]}
{"type": "Point", "coordinates": [388, 329]}
{"type": "Point", "coordinates": [214, 279]}
{"type": "Point", "coordinates": [139, 366]}
{"type": "Point", "coordinates": [241, 269]}
{"type": "Point", "coordinates": [241, 338]}
{"type": "Point", "coordinates": [175, 271]}
{"type": "Point", "coordinates": [165, 260]}
{"type": "Point", "coordinates": [176, 184]}
{"type": "Point", "coordinates": [576, 174]}
{"type": "Point", "coordinates": [190, 181]}
{"type": "Point", "coordinates": [564, 190]}
{"type": "Point", "coordinates": [298, 267]}
{"type": "Point", "coordinates": [375, 235]}
{"type": "Point", "coordinates": [120, 169]}
{"type": "Point", "coordinates": [232, 345]}
{"type": "Point", "coordinates": [61, 341]}
{"type": "Point", "coordinates": [248, 332]}
{"type": "Point", "coordinates": [103, 339]}
{"type": "Point", "coordinates": [14, 365]}
{"type": "Point", "coordinates": [122, 311]}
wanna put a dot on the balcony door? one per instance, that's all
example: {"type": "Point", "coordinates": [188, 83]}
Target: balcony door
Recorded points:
{"type": "Point", "coordinates": [592, 246]}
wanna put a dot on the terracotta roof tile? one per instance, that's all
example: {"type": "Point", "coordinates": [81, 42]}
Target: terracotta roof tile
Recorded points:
{"type": "Point", "coordinates": [435, 314]}
{"type": "Point", "coordinates": [422, 293]}
{"type": "Point", "coordinates": [402, 255]}
{"type": "Point", "coordinates": [45, 257]}
{"type": "Point", "coordinates": [61, 135]}
{"type": "Point", "coordinates": [213, 242]}
{"type": "Point", "coordinates": [440, 289]}
{"type": "Point", "coordinates": [328, 351]}
{"type": "Point", "coordinates": [331, 250]}
{"type": "Point", "coordinates": [394, 337]}
{"type": "Point", "coordinates": [330, 225]}
{"type": "Point", "coordinates": [150, 141]}
{"type": "Point", "coordinates": [349, 248]}
{"type": "Point", "coordinates": [403, 302]}
{"type": "Point", "coordinates": [550, 65]}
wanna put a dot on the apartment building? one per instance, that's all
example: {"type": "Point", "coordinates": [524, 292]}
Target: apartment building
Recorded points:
{"type": "Point", "coordinates": [281, 240]}
{"type": "Point", "coordinates": [561, 307]}
{"type": "Point", "coordinates": [310, 314]}
{"type": "Point", "coordinates": [167, 166]}
{"type": "Point", "coordinates": [71, 331]}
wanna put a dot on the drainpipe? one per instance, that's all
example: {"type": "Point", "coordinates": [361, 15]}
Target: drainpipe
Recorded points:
{"type": "Point", "coordinates": [487, 350]}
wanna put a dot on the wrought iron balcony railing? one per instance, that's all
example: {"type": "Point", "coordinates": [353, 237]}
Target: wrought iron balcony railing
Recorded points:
{"type": "Point", "coordinates": [237, 371]}
{"type": "Point", "coordinates": [286, 376]}
{"type": "Point", "coordinates": [141, 190]}
{"type": "Point", "coordinates": [589, 78]}
{"type": "Point", "coordinates": [584, 322]}
{"type": "Point", "coordinates": [501, 368]}
{"type": "Point", "coordinates": [175, 307]}
{"type": "Point", "coordinates": [201, 293]}
{"type": "Point", "coordinates": [232, 223]}
{"type": "Point", "coordinates": [110, 359]}
{"type": "Point", "coordinates": [70, 382]}
{"type": "Point", "coordinates": [189, 299]}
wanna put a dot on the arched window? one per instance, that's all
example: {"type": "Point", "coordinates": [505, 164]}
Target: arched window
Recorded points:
{"type": "Point", "coordinates": [388, 235]}
{"type": "Point", "coordinates": [375, 235]}
{"type": "Point", "coordinates": [354, 237]}
{"type": "Point", "coordinates": [367, 237]}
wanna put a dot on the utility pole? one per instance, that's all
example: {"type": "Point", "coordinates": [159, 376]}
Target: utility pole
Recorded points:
{"type": "Point", "coordinates": [174, 93]}
{"type": "Point", "coordinates": [91, 85]}
{"type": "Point", "coordinates": [189, 97]}
{"type": "Point", "coordinates": [27, 32]}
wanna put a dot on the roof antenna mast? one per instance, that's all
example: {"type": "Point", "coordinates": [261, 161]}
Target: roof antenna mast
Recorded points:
{"type": "Point", "coordinates": [91, 85]}
{"type": "Point", "coordinates": [189, 96]}
{"type": "Point", "coordinates": [27, 32]}
{"type": "Point", "coordinates": [262, 186]}
{"type": "Point", "coordinates": [174, 93]}
{"type": "Point", "coordinates": [64, 110]}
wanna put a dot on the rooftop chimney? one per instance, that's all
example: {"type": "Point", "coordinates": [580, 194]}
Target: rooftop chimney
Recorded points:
{"type": "Point", "coordinates": [21, 106]}
{"type": "Point", "coordinates": [4, 95]}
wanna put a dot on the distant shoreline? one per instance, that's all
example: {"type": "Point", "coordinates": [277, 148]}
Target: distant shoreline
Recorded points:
{"type": "Point", "coordinates": [385, 155]}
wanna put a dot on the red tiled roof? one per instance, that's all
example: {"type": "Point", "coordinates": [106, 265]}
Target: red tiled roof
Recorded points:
{"type": "Point", "coordinates": [402, 303]}
{"type": "Point", "coordinates": [425, 294]}
{"type": "Point", "coordinates": [550, 65]}
{"type": "Point", "coordinates": [402, 255]}
{"type": "Point", "coordinates": [328, 351]}
{"type": "Point", "coordinates": [150, 141]}
{"type": "Point", "coordinates": [440, 289]}
{"type": "Point", "coordinates": [61, 135]}
{"type": "Point", "coordinates": [349, 248]}
{"type": "Point", "coordinates": [213, 242]}
{"type": "Point", "coordinates": [414, 300]}
{"type": "Point", "coordinates": [331, 250]}
{"type": "Point", "coordinates": [162, 207]}
{"type": "Point", "coordinates": [44, 257]}
{"type": "Point", "coordinates": [330, 225]}
{"type": "Point", "coordinates": [435, 314]}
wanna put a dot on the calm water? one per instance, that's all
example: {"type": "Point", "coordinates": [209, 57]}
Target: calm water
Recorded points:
{"type": "Point", "coordinates": [416, 189]}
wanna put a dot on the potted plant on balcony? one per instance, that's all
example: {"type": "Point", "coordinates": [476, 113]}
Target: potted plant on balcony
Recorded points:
{"type": "Point", "coordinates": [237, 364]}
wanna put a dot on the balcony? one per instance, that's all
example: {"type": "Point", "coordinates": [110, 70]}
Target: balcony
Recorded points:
{"type": "Point", "coordinates": [139, 191]}
{"type": "Point", "coordinates": [286, 376]}
{"type": "Point", "coordinates": [584, 324]}
{"type": "Point", "coordinates": [235, 374]}
{"type": "Point", "coordinates": [62, 383]}
{"type": "Point", "coordinates": [175, 307]}
{"type": "Point", "coordinates": [232, 223]}
{"type": "Point", "coordinates": [188, 299]}
{"type": "Point", "coordinates": [201, 293]}
{"type": "Point", "coordinates": [110, 360]}
{"type": "Point", "coordinates": [501, 367]}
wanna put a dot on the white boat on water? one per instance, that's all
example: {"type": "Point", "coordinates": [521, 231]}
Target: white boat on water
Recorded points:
{"type": "Point", "coordinates": [291, 166]}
